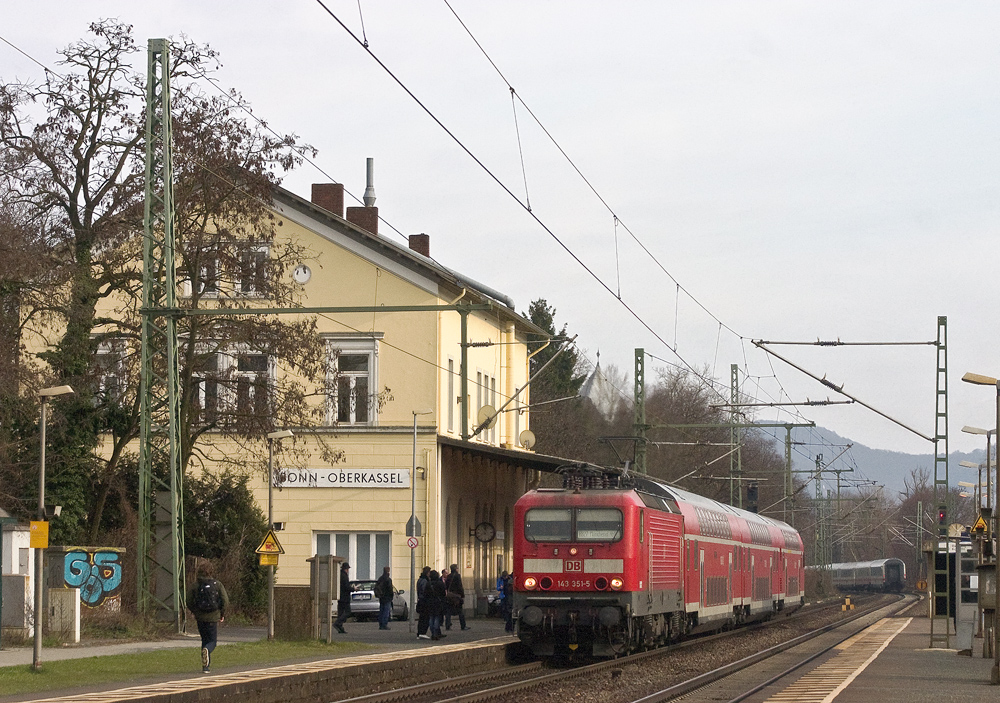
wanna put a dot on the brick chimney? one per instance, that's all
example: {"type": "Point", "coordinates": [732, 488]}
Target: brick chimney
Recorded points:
{"type": "Point", "coordinates": [421, 243]}
{"type": "Point", "coordinates": [364, 217]}
{"type": "Point", "coordinates": [329, 196]}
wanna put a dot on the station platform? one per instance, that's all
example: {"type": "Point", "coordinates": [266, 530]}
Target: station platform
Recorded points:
{"type": "Point", "coordinates": [386, 656]}
{"type": "Point", "coordinates": [892, 662]}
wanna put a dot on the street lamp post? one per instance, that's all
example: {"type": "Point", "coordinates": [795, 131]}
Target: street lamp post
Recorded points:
{"type": "Point", "coordinates": [995, 673]}
{"type": "Point", "coordinates": [280, 434]}
{"type": "Point", "coordinates": [412, 529]}
{"type": "Point", "coordinates": [44, 396]}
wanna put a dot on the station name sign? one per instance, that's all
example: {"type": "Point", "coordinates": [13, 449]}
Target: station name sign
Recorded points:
{"type": "Point", "coordinates": [343, 478]}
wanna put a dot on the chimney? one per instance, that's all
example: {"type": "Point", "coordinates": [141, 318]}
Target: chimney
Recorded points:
{"type": "Point", "coordinates": [421, 243]}
{"type": "Point", "coordinates": [329, 196]}
{"type": "Point", "coordinates": [366, 217]}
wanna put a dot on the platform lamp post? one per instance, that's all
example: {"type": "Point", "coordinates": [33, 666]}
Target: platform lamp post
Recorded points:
{"type": "Point", "coordinates": [995, 673]}
{"type": "Point", "coordinates": [989, 486]}
{"type": "Point", "coordinates": [44, 395]}
{"type": "Point", "coordinates": [413, 527]}
{"type": "Point", "coordinates": [271, 437]}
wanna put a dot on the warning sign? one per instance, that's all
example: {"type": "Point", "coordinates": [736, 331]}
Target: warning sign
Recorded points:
{"type": "Point", "coordinates": [268, 559]}
{"type": "Point", "coordinates": [270, 545]}
{"type": "Point", "coordinates": [38, 534]}
{"type": "Point", "coordinates": [980, 525]}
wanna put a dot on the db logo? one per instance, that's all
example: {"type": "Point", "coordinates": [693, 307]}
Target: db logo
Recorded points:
{"type": "Point", "coordinates": [574, 565]}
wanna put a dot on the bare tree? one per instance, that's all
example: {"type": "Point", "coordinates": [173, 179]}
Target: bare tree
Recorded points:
{"type": "Point", "coordinates": [72, 179]}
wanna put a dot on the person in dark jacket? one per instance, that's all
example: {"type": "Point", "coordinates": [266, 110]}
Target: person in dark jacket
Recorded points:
{"type": "Point", "coordinates": [385, 593]}
{"type": "Point", "coordinates": [209, 610]}
{"type": "Point", "coordinates": [436, 602]}
{"type": "Point", "coordinates": [506, 588]}
{"type": "Point", "coordinates": [344, 599]}
{"type": "Point", "coordinates": [456, 599]}
{"type": "Point", "coordinates": [423, 613]}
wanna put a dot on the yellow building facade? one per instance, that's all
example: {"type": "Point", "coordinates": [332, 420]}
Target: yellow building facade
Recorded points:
{"type": "Point", "coordinates": [358, 508]}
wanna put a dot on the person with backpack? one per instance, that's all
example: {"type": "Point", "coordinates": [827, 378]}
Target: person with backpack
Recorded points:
{"type": "Point", "coordinates": [208, 600]}
{"type": "Point", "coordinates": [384, 592]}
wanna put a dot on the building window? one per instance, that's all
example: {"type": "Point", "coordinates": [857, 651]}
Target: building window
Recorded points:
{"type": "Point", "coordinates": [352, 382]}
{"type": "Point", "coordinates": [207, 393]}
{"type": "Point", "coordinates": [206, 282]}
{"type": "Point", "coordinates": [451, 395]}
{"type": "Point", "coordinates": [236, 382]}
{"type": "Point", "coordinates": [110, 370]}
{"type": "Point", "coordinates": [366, 552]}
{"type": "Point", "coordinates": [251, 379]}
{"type": "Point", "coordinates": [251, 279]}
{"type": "Point", "coordinates": [493, 402]}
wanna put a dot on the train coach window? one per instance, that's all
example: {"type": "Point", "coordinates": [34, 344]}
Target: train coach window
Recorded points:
{"type": "Point", "coordinates": [598, 524]}
{"type": "Point", "coordinates": [548, 525]}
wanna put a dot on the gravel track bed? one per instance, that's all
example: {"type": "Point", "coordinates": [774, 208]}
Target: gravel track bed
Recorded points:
{"type": "Point", "coordinates": [651, 675]}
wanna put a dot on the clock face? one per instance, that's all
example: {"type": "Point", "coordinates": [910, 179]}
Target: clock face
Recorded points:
{"type": "Point", "coordinates": [485, 532]}
{"type": "Point", "coordinates": [301, 274]}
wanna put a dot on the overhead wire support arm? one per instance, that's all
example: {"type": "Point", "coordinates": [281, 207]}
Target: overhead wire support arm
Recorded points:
{"type": "Point", "coordinates": [838, 343]}
{"type": "Point", "coordinates": [520, 390]}
{"type": "Point", "coordinates": [840, 389]}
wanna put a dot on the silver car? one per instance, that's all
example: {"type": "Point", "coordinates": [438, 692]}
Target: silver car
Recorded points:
{"type": "Point", "coordinates": [364, 604]}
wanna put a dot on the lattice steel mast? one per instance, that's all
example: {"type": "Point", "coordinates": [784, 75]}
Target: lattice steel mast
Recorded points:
{"type": "Point", "coordinates": [160, 561]}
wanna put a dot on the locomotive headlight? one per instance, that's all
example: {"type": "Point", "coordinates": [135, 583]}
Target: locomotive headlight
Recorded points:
{"type": "Point", "coordinates": [617, 583]}
{"type": "Point", "coordinates": [572, 551]}
{"type": "Point", "coordinates": [530, 582]}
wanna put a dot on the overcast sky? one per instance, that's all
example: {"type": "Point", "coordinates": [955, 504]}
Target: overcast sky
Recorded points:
{"type": "Point", "coordinates": [804, 170]}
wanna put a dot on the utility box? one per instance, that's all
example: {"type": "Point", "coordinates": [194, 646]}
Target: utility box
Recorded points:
{"type": "Point", "coordinates": [15, 620]}
{"type": "Point", "coordinates": [64, 614]}
{"type": "Point", "coordinates": [292, 613]}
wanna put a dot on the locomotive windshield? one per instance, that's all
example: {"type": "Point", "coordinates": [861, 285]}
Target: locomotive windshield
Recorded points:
{"type": "Point", "coordinates": [598, 524]}
{"type": "Point", "coordinates": [567, 525]}
{"type": "Point", "coordinates": [548, 525]}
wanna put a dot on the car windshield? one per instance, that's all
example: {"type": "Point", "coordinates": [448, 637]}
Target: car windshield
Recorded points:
{"type": "Point", "coordinates": [362, 585]}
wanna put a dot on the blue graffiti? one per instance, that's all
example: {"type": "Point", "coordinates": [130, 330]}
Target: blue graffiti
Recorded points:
{"type": "Point", "coordinates": [98, 575]}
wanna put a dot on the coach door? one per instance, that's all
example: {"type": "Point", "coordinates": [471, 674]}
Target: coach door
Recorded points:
{"type": "Point", "coordinates": [701, 574]}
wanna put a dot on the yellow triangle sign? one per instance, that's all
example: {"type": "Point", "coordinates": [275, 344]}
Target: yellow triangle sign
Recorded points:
{"type": "Point", "coordinates": [270, 545]}
{"type": "Point", "coordinates": [980, 525]}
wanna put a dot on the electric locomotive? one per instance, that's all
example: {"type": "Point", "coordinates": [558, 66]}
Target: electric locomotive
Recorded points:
{"type": "Point", "coordinates": [614, 561]}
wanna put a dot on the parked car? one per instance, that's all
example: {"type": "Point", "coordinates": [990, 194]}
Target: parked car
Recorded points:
{"type": "Point", "coordinates": [364, 604]}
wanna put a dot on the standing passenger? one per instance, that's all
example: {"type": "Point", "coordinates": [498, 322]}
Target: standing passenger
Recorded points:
{"type": "Point", "coordinates": [456, 596]}
{"type": "Point", "coordinates": [423, 610]}
{"type": "Point", "coordinates": [344, 599]}
{"type": "Point", "coordinates": [385, 593]}
{"type": "Point", "coordinates": [436, 602]}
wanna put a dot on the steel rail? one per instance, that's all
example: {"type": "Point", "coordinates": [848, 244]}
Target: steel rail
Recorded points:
{"type": "Point", "coordinates": [432, 690]}
{"type": "Point", "coordinates": [722, 672]}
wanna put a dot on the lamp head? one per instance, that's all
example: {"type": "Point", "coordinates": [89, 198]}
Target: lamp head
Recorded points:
{"type": "Point", "coordinates": [280, 434]}
{"type": "Point", "coordinates": [979, 379]}
{"type": "Point", "coordinates": [54, 391]}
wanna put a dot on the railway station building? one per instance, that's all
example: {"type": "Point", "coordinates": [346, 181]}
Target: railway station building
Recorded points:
{"type": "Point", "coordinates": [397, 403]}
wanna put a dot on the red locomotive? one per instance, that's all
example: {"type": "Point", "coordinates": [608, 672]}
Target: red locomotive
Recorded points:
{"type": "Point", "coordinates": [616, 561]}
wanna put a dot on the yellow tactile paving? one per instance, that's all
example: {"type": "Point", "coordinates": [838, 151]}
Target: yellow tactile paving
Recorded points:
{"type": "Point", "coordinates": [825, 682]}
{"type": "Point", "coordinates": [203, 682]}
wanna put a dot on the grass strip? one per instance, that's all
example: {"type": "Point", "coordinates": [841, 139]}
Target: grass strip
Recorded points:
{"type": "Point", "coordinates": [136, 668]}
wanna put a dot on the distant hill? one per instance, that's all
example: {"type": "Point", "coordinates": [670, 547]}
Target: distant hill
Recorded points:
{"type": "Point", "coordinates": [880, 465]}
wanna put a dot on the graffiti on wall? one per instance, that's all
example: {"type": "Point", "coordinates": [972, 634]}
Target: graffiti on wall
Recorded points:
{"type": "Point", "coordinates": [96, 571]}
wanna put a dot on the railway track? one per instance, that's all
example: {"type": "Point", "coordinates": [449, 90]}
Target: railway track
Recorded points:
{"type": "Point", "coordinates": [514, 682]}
